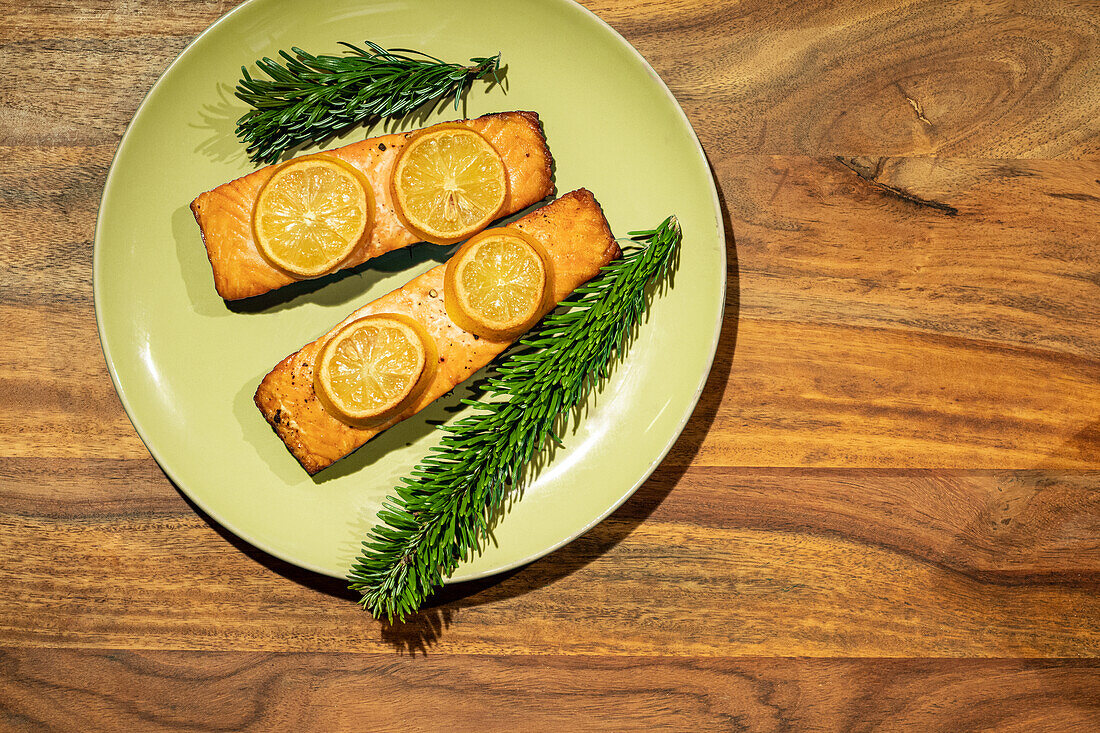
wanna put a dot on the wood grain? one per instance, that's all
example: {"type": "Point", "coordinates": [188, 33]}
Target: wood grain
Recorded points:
{"type": "Point", "coordinates": [56, 397]}
{"type": "Point", "coordinates": [895, 77]}
{"type": "Point", "coordinates": [800, 394]}
{"type": "Point", "coordinates": [333, 692]}
{"type": "Point", "coordinates": [894, 470]}
{"type": "Point", "coordinates": [701, 562]}
{"type": "Point", "coordinates": [1003, 252]}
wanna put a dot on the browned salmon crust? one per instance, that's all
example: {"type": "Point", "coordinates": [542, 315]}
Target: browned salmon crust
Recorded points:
{"type": "Point", "coordinates": [224, 214]}
{"type": "Point", "coordinates": [576, 236]}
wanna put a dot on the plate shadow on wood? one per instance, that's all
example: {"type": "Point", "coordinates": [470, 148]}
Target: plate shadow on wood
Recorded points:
{"type": "Point", "coordinates": [422, 631]}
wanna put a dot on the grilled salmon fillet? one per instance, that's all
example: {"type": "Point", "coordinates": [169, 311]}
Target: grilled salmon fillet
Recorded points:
{"type": "Point", "coordinates": [575, 234]}
{"type": "Point", "coordinates": [224, 215]}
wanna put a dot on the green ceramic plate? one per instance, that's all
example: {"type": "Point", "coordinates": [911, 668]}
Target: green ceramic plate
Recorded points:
{"type": "Point", "coordinates": [186, 365]}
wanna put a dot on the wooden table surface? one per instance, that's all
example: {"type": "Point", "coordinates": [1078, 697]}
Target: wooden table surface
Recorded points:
{"type": "Point", "coordinates": [884, 513]}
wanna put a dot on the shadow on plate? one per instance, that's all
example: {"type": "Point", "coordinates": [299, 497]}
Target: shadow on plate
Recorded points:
{"type": "Point", "coordinates": [343, 286]}
{"type": "Point", "coordinates": [337, 289]}
{"type": "Point", "coordinates": [222, 146]}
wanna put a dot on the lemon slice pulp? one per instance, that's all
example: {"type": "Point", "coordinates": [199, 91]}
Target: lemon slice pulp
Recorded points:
{"type": "Point", "coordinates": [311, 214]}
{"type": "Point", "coordinates": [448, 183]}
{"type": "Point", "coordinates": [498, 284]}
{"type": "Point", "coordinates": [374, 367]}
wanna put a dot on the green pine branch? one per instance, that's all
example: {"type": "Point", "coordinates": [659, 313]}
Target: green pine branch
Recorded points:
{"type": "Point", "coordinates": [444, 510]}
{"type": "Point", "coordinates": [307, 98]}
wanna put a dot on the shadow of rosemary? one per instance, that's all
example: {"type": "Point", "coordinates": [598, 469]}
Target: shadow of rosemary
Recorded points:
{"type": "Point", "coordinates": [224, 145]}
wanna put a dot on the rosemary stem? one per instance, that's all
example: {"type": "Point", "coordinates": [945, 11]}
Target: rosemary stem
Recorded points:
{"type": "Point", "coordinates": [307, 98]}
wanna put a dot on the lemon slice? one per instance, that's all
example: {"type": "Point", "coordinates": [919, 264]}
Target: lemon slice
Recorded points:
{"type": "Point", "coordinates": [498, 284]}
{"type": "Point", "coordinates": [448, 183]}
{"type": "Point", "coordinates": [373, 368]}
{"type": "Point", "coordinates": [311, 214]}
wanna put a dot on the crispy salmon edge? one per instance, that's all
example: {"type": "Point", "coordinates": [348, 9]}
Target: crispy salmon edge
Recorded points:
{"type": "Point", "coordinates": [272, 415]}
{"type": "Point", "coordinates": [532, 118]}
{"type": "Point", "coordinates": [535, 121]}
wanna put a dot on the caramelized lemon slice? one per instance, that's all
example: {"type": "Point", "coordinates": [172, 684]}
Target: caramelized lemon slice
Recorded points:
{"type": "Point", "coordinates": [311, 214]}
{"type": "Point", "coordinates": [448, 183]}
{"type": "Point", "coordinates": [498, 284]}
{"type": "Point", "coordinates": [374, 367]}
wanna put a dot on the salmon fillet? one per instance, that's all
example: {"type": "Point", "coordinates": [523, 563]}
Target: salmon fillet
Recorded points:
{"type": "Point", "coordinates": [224, 215]}
{"type": "Point", "coordinates": [575, 234]}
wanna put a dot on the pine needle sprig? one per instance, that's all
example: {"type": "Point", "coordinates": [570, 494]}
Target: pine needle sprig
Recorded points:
{"type": "Point", "coordinates": [443, 512]}
{"type": "Point", "coordinates": [309, 98]}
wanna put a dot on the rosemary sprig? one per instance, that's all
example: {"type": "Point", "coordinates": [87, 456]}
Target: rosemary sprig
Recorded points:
{"type": "Point", "coordinates": [310, 98]}
{"type": "Point", "coordinates": [445, 509]}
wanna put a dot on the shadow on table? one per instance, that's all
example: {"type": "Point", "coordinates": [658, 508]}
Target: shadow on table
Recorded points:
{"type": "Point", "coordinates": [422, 631]}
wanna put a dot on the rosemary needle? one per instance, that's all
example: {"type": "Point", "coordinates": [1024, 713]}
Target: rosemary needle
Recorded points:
{"type": "Point", "coordinates": [309, 98]}
{"type": "Point", "coordinates": [444, 510]}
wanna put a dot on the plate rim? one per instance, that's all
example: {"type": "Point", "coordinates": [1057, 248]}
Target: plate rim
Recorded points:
{"type": "Point", "coordinates": [689, 407]}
